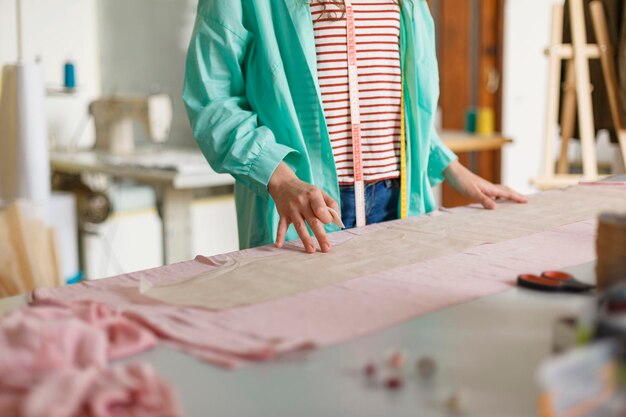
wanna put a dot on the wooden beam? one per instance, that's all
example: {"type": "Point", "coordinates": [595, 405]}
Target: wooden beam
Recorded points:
{"type": "Point", "coordinates": [455, 60]}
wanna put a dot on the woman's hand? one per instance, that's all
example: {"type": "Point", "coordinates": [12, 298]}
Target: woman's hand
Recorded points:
{"type": "Point", "coordinates": [471, 185]}
{"type": "Point", "coordinates": [299, 203]}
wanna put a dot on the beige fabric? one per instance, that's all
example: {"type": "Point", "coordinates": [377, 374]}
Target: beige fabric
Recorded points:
{"type": "Point", "coordinates": [243, 281]}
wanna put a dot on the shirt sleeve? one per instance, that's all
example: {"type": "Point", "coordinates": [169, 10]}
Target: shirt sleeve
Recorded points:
{"type": "Point", "coordinates": [439, 159]}
{"type": "Point", "coordinates": [224, 125]}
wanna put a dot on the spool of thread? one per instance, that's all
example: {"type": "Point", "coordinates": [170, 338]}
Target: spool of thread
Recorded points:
{"type": "Point", "coordinates": [69, 78]}
{"type": "Point", "coordinates": [486, 121]}
{"type": "Point", "coordinates": [611, 250]}
{"type": "Point", "coordinates": [471, 119]}
{"type": "Point", "coordinates": [24, 157]}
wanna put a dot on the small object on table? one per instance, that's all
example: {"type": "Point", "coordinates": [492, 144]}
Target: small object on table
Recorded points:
{"type": "Point", "coordinates": [456, 403]}
{"type": "Point", "coordinates": [565, 334]}
{"type": "Point", "coordinates": [426, 367]}
{"type": "Point", "coordinates": [610, 321]}
{"type": "Point", "coordinates": [397, 359]}
{"type": "Point", "coordinates": [394, 383]}
{"type": "Point", "coordinates": [611, 250]}
{"type": "Point", "coordinates": [553, 281]}
{"type": "Point", "coordinates": [370, 370]}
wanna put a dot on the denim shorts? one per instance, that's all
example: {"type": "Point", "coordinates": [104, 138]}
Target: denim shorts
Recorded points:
{"type": "Point", "coordinates": [381, 202]}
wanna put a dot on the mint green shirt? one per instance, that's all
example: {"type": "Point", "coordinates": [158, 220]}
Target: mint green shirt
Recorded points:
{"type": "Point", "coordinates": [253, 100]}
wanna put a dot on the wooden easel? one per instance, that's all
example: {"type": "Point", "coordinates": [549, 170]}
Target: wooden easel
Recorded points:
{"type": "Point", "coordinates": [578, 90]}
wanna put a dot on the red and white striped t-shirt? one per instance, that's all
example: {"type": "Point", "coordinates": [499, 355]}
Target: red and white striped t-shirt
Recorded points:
{"type": "Point", "coordinates": [378, 55]}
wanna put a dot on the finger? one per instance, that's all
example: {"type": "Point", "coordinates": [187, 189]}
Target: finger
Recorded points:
{"type": "Point", "coordinates": [320, 208]}
{"type": "Point", "coordinates": [486, 201]}
{"type": "Point", "coordinates": [330, 202]}
{"type": "Point", "coordinates": [516, 197]}
{"type": "Point", "coordinates": [320, 234]}
{"type": "Point", "coordinates": [281, 234]}
{"type": "Point", "coordinates": [508, 194]}
{"type": "Point", "coordinates": [303, 232]}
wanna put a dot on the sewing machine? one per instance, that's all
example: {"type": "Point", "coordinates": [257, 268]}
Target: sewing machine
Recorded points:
{"type": "Point", "coordinates": [114, 117]}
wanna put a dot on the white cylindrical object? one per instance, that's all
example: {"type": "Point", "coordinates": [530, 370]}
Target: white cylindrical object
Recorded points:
{"type": "Point", "coordinates": [19, 31]}
{"type": "Point", "coordinates": [24, 156]}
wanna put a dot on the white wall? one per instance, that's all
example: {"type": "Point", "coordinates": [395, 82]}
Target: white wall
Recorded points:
{"type": "Point", "coordinates": [55, 31]}
{"type": "Point", "coordinates": [143, 45]}
{"type": "Point", "coordinates": [527, 32]}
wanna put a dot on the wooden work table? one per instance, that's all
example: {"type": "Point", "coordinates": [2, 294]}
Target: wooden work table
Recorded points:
{"type": "Point", "coordinates": [489, 348]}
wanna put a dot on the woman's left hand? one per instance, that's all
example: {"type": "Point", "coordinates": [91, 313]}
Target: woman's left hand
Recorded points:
{"type": "Point", "coordinates": [471, 185]}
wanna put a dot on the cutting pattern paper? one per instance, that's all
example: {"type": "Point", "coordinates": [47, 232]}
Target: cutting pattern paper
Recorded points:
{"type": "Point", "coordinates": [243, 281]}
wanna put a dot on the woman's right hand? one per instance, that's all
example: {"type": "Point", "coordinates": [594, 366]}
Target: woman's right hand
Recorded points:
{"type": "Point", "coordinates": [299, 203]}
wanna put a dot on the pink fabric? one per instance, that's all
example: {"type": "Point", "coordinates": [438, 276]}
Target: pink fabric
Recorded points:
{"type": "Point", "coordinates": [124, 337]}
{"type": "Point", "coordinates": [31, 347]}
{"type": "Point", "coordinates": [53, 359]}
{"type": "Point", "coordinates": [125, 391]}
{"type": "Point", "coordinates": [336, 313]}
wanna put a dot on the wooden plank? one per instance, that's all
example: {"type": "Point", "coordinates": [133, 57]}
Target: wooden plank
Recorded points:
{"type": "Point", "coordinates": [489, 75]}
{"type": "Point", "coordinates": [454, 61]}
{"type": "Point", "coordinates": [565, 51]}
{"type": "Point", "coordinates": [501, 22]}
{"type": "Point", "coordinates": [18, 235]}
{"type": "Point", "coordinates": [568, 118]}
{"type": "Point", "coordinates": [554, 89]}
{"type": "Point", "coordinates": [608, 68]}
{"type": "Point", "coordinates": [559, 181]}
{"type": "Point", "coordinates": [460, 142]}
{"type": "Point", "coordinates": [583, 91]}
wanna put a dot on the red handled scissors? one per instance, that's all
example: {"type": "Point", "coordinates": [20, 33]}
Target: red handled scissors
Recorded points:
{"type": "Point", "coordinates": [553, 281]}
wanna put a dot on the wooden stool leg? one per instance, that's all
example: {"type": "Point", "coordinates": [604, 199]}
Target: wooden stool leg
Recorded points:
{"type": "Point", "coordinates": [609, 71]}
{"type": "Point", "coordinates": [568, 118]}
{"type": "Point", "coordinates": [554, 88]}
{"type": "Point", "coordinates": [583, 90]}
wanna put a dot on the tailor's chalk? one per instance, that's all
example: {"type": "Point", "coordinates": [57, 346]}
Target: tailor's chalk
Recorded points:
{"type": "Point", "coordinates": [336, 218]}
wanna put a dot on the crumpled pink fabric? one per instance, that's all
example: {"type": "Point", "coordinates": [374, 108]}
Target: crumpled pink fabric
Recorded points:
{"type": "Point", "coordinates": [126, 391]}
{"type": "Point", "coordinates": [53, 359]}
{"type": "Point", "coordinates": [125, 337]}
{"type": "Point", "coordinates": [32, 348]}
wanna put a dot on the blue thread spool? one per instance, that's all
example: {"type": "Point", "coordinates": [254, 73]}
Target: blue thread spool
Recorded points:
{"type": "Point", "coordinates": [69, 76]}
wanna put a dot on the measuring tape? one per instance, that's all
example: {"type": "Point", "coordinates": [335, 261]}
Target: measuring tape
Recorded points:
{"type": "Point", "coordinates": [355, 116]}
{"type": "Point", "coordinates": [404, 206]}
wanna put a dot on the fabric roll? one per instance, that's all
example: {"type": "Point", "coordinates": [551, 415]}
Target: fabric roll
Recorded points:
{"type": "Point", "coordinates": [24, 158]}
